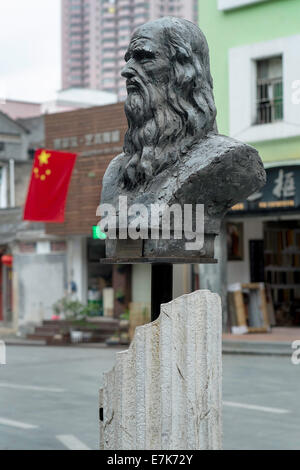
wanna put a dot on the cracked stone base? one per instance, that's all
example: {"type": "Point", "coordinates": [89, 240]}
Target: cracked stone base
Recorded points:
{"type": "Point", "coordinates": [165, 391]}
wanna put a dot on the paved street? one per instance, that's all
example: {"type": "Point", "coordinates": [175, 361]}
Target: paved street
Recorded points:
{"type": "Point", "coordinates": [49, 399]}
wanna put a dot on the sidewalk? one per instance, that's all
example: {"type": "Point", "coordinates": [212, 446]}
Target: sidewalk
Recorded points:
{"type": "Point", "coordinates": [277, 342]}
{"type": "Point", "coordinates": [14, 340]}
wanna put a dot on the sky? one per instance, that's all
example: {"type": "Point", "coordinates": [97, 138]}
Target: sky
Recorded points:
{"type": "Point", "coordinates": [29, 49]}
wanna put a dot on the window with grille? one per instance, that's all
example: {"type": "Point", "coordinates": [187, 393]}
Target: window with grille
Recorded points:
{"type": "Point", "coordinates": [269, 95]}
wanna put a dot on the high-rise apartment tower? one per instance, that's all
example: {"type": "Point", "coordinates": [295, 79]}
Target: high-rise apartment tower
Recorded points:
{"type": "Point", "coordinates": [96, 33]}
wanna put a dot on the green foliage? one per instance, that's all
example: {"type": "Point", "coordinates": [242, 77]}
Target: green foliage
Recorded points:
{"type": "Point", "coordinates": [125, 315]}
{"type": "Point", "coordinates": [90, 310]}
{"type": "Point", "coordinates": [73, 308]}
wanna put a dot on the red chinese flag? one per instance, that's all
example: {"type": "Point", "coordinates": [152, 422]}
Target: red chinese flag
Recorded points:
{"type": "Point", "coordinates": [48, 187]}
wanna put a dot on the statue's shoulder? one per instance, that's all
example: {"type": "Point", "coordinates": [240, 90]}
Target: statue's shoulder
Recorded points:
{"type": "Point", "coordinates": [218, 172]}
{"type": "Point", "coordinates": [217, 150]}
{"type": "Point", "coordinates": [218, 145]}
{"type": "Point", "coordinates": [111, 178]}
{"type": "Point", "coordinates": [115, 164]}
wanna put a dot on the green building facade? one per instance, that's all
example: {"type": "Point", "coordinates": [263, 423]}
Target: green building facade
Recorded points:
{"type": "Point", "coordinates": [255, 64]}
{"type": "Point", "coordinates": [247, 23]}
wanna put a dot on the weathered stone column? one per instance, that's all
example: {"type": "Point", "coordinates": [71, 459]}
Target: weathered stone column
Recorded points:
{"type": "Point", "coordinates": [165, 391]}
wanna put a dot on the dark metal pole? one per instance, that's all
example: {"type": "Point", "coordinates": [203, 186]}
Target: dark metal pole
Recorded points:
{"type": "Point", "coordinates": [161, 287]}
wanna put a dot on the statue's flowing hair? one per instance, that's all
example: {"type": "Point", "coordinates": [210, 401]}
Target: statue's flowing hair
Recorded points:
{"type": "Point", "coordinates": [164, 123]}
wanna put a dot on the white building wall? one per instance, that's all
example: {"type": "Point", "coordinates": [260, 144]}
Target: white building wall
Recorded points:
{"type": "Point", "coordinates": [41, 281]}
{"type": "Point", "coordinates": [141, 283]}
{"type": "Point", "coordinates": [182, 279]}
{"type": "Point", "coordinates": [242, 90]}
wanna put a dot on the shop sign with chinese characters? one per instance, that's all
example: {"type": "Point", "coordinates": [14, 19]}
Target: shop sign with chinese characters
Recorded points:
{"type": "Point", "coordinates": [90, 140]}
{"type": "Point", "coordinates": [281, 192]}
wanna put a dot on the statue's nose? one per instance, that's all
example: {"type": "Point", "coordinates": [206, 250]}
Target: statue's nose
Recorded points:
{"type": "Point", "coordinates": [127, 72]}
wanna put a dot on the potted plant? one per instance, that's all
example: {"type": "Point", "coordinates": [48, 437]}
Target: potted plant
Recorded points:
{"type": "Point", "coordinates": [124, 319]}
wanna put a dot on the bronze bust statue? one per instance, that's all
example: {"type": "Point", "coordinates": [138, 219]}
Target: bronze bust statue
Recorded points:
{"type": "Point", "coordinates": [172, 150]}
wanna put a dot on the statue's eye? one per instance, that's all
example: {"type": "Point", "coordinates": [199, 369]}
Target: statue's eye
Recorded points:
{"type": "Point", "coordinates": [127, 57]}
{"type": "Point", "coordinates": [141, 55]}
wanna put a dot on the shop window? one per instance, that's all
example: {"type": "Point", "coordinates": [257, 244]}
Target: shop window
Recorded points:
{"type": "Point", "coordinates": [269, 86]}
{"type": "Point", "coordinates": [58, 246]}
{"type": "Point", "coordinates": [100, 292]}
{"type": "Point", "coordinates": [282, 269]}
{"type": "Point", "coordinates": [25, 247]}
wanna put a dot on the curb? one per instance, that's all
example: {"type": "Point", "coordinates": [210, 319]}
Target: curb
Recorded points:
{"type": "Point", "coordinates": [38, 342]}
{"type": "Point", "coordinates": [255, 352]}
{"type": "Point", "coordinates": [270, 348]}
{"type": "Point", "coordinates": [23, 342]}
{"type": "Point", "coordinates": [249, 348]}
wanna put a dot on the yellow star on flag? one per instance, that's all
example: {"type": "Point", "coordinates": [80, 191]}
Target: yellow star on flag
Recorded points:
{"type": "Point", "coordinates": [44, 157]}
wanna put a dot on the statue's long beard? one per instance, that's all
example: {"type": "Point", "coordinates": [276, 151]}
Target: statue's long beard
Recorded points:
{"type": "Point", "coordinates": [153, 128]}
{"type": "Point", "coordinates": [164, 122]}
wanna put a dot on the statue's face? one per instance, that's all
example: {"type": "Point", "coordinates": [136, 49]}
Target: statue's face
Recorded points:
{"type": "Point", "coordinates": [146, 61]}
{"type": "Point", "coordinates": [170, 105]}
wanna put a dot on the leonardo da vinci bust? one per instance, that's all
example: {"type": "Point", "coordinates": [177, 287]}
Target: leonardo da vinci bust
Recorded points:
{"type": "Point", "coordinates": [172, 151]}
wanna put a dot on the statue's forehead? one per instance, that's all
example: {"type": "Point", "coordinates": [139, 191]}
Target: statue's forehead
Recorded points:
{"type": "Point", "coordinates": [146, 37]}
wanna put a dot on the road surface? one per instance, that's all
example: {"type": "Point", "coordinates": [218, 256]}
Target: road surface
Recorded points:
{"type": "Point", "coordinates": [49, 399]}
